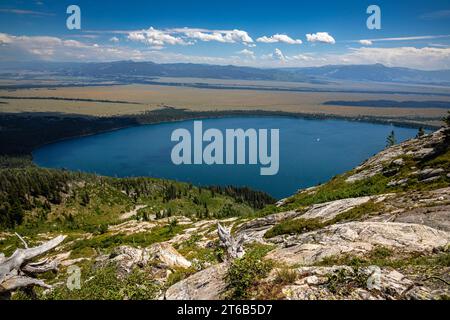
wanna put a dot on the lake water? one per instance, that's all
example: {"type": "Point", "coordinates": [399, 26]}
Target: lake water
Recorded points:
{"type": "Point", "coordinates": [311, 152]}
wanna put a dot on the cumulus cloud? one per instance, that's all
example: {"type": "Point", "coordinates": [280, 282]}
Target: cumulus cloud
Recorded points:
{"type": "Point", "coordinates": [187, 36]}
{"type": "Point", "coordinates": [26, 48]}
{"type": "Point", "coordinates": [428, 58]}
{"type": "Point", "coordinates": [156, 38]}
{"type": "Point", "coordinates": [366, 42]}
{"type": "Point", "coordinates": [4, 38]}
{"type": "Point", "coordinates": [226, 36]}
{"type": "Point", "coordinates": [247, 53]}
{"type": "Point", "coordinates": [278, 55]}
{"type": "Point", "coordinates": [114, 39]}
{"type": "Point", "coordinates": [279, 38]}
{"type": "Point", "coordinates": [58, 49]}
{"type": "Point", "coordinates": [322, 37]}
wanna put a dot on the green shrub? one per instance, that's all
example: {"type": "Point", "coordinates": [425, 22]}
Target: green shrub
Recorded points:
{"type": "Point", "coordinates": [341, 281]}
{"type": "Point", "coordinates": [357, 212]}
{"type": "Point", "coordinates": [294, 226]}
{"type": "Point", "coordinates": [103, 284]}
{"type": "Point", "coordinates": [285, 276]}
{"type": "Point", "coordinates": [245, 272]}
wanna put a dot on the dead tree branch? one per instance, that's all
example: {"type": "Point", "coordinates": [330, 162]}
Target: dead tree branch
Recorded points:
{"type": "Point", "coordinates": [235, 248]}
{"type": "Point", "coordinates": [16, 271]}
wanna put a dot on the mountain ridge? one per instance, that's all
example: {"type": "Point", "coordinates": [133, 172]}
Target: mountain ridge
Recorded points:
{"type": "Point", "coordinates": [368, 73]}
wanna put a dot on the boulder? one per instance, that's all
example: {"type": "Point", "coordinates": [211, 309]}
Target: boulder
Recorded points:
{"type": "Point", "coordinates": [168, 255]}
{"type": "Point", "coordinates": [127, 257]}
{"type": "Point", "coordinates": [208, 284]}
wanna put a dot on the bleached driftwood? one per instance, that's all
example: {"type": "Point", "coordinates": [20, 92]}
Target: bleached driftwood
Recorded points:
{"type": "Point", "coordinates": [235, 248]}
{"type": "Point", "coordinates": [17, 271]}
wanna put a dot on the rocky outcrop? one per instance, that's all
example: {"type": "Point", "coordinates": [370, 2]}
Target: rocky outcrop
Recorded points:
{"type": "Point", "coordinates": [418, 149]}
{"type": "Point", "coordinates": [208, 284]}
{"type": "Point", "coordinates": [329, 210]}
{"type": "Point", "coordinates": [126, 258]}
{"type": "Point", "coordinates": [356, 238]}
{"type": "Point", "coordinates": [254, 230]}
{"type": "Point", "coordinates": [342, 282]}
{"type": "Point", "coordinates": [168, 255]}
{"type": "Point", "coordinates": [437, 217]}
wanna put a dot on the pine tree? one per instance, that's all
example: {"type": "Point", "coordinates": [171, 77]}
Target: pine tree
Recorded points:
{"type": "Point", "coordinates": [391, 140]}
{"type": "Point", "coordinates": [420, 133]}
{"type": "Point", "coordinates": [85, 199]}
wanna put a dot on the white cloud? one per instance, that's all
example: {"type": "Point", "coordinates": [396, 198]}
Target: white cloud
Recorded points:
{"type": "Point", "coordinates": [427, 58]}
{"type": "Point", "coordinates": [225, 36]}
{"type": "Point", "coordinates": [114, 39]}
{"type": "Point", "coordinates": [26, 48]}
{"type": "Point", "coordinates": [278, 55]}
{"type": "Point", "coordinates": [156, 38]}
{"type": "Point", "coordinates": [420, 58]}
{"type": "Point", "coordinates": [73, 44]}
{"type": "Point", "coordinates": [4, 38]}
{"type": "Point", "coordinates": [26, 12]}
{"type": "Point", "coordinates": [187, 36]}
{"type": "Point", "coordinates": [411, 38]}
{"type": "Point", "coordinates": [279, 38]}
{"type": "Point", "coordinates": [366, 42]}
{"type": "Point", "coordinates": [306, 58]}
{"type": "Point", "coordinates": [322, 37]}
{"type": "Point", "coordinates": [247, 53]}
{"type": "Point", "coordinates": [57, 49]}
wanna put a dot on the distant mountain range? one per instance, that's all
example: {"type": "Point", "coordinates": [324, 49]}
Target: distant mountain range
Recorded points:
{"type": "Point", "coordinates": [132, 69]}
{"type": "Point", "coordinates": [377, 73]}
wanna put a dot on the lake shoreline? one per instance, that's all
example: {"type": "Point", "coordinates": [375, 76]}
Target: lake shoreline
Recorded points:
{"type": "Point", "coordinates": [145, 151]}
{"type": "Point", "coordinates": [74, 125]}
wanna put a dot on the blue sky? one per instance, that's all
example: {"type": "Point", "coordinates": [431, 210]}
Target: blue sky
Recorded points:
{"type": "Point", "coordinates": [255, 33]}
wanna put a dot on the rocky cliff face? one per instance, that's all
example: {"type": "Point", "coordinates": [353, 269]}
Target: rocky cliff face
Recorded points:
{"type": "Point", "coordinates": [380, 231]}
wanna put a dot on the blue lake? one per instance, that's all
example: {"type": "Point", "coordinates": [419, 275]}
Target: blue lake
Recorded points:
{"type": "Point", "coordinates": [311, 152]}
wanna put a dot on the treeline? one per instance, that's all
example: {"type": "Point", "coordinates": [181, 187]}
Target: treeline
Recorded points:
{"type": "Point", "coordinates": [255, 199]}
{"type": "Point", "coordinates": [29, 188]}
{"type": "Point", "coordinates": [139, 187]}
{"type": "Point", "coordinates": [26, 187]}
{"type": "Point", "coordinates": [21, 133]}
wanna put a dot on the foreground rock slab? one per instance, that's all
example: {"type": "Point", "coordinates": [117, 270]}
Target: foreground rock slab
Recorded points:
{"type": "Point", "coordinates": [356, 238]}
{"type": "Point", "coordinates": [207, 284]}
{"type": "Point", "coordinates": [344, 283]}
